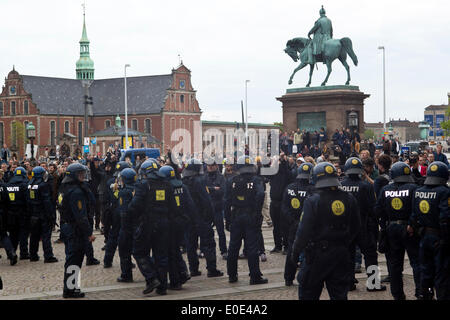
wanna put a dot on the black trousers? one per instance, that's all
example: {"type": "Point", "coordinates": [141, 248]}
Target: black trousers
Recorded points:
{"type": "Point", "coordinates": [280, 234]}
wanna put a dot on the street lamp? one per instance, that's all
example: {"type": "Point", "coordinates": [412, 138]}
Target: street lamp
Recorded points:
{"type": "Point", "coordinates": [246, 118]}
{"type": "Point", "coordinates": [353, 122]}
{"type": "Point", "coordinates": [31, 134]}
{"type": "Point", "coordinates": [384, 88]}
{"type": "Point", "coordinates": [126, 108]}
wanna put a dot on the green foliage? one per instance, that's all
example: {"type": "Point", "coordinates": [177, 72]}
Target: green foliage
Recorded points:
{"type": "Point", "coordinates": [369, 134]}
{"type": "Point", "coordinates": [280, 125]}
{"type": "Point", "coordinates": [18, 135]}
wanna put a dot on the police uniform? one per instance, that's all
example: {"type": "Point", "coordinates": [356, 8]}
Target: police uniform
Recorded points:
{"type": "Point", "coordinates": [294, 197]}
{"type": "Point", "coordinates": [75, 226]}
{"type": "Point", "coordinates": [113, 235]}
{"type": "Point", "coordinates": [394, 207]}
{"type": "Point", "coordinates": [127, 224]}
{"type": "Point", "coordinates": [430, 218]}
{"type": "Point", "coordinates": [4, 238]}
{"type": "Point", "coordinates": [245, 195]}
{"type": "Point", "coordinates": [194, 180]}
{"type": "Point", "coordinates": [151, 205]}
{"type": "Point", "coordinates": [183, 215]}
{"type": "Point", "coordinates": [43, 215]}
{"type": "Point", "coordinates": [328, 225]}
{"type": "Point", "coordinates": [364, 193]}
{"type": "Point", "coordinates": [216, 179]}
{"type": "Point", "coordinates": [18, 223]}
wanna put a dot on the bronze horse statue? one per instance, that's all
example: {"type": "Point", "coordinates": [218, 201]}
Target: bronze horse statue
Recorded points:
{"type": "Point", "coordinates": [300, 48]}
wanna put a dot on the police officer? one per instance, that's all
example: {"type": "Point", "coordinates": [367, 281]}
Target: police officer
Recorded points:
{"type": "Point", "coordinates": [127, 224]}
{"type": "Point", "coordinates": [215, 182]}
{"type": "Point", "coordinates": [394, 208]}
{"type": "Point", "coordinates": [294, 197]}
{"type": "Point", "coordinates": [194, 180]}
{"type": "Point", "coordinates": [184, 214]}
{"type": "Point", "coordinates": [18, 215]}
{"type": "Point", "coordinates": [365, 195]}
{"type": "Point", "coordinates": [113, 195]}
{"type": "Point", "coordinates": [245, 195]}
{"type": "Point", "coordinates": [43, 215]}
{"type": "Point", "coordinates": [75, 227]}
{"type": "Point", "coordinates": [89, 249]}
{"type": "Point", "coordinates": [4, 238]}
{"type": "Point", "coordinates": [328, 225]}
{"type": "Point", "coordinates": [151, 205]}
{"type": "Point", "coordinates": [431, 219]}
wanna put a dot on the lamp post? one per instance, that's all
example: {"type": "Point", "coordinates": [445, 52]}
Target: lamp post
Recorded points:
{"type": "Point", "coordinates": [246, 118]}
{"type": "Point", "coordinates": [384, 88]}
{"type": "Point", "coordinates": [126, 108]}
{"type": "Point", "coordinates": [353, 122]}
{"type": "Point", "coordinates": [31, 134]}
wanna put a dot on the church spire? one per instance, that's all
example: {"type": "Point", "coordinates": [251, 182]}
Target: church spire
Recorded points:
{"type": "Point", "coordinates": [84, 65]}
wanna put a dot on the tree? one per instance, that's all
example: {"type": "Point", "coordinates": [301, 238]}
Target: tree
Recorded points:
{"type": "Point", "coordinates": [369, 134]}
{"type": "Point", "coordinates": [446, 124]}
{"type": "Point", "coordinates": [18, 136]}
{"type": "Point", "coordinates": [280, 125]}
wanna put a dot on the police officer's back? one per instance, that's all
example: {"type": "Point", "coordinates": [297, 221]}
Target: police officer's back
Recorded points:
{"type": "Point", "coordinates": [431, 219]}
{"type": "Point", "coordinates": [329, 224]}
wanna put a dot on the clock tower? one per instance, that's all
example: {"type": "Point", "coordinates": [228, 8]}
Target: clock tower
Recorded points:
{"type": "Point", "coordinates": [85, 65]}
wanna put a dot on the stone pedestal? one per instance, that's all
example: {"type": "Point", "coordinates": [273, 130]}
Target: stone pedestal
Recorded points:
{"type": "Point", "coordinates": [315, 107]}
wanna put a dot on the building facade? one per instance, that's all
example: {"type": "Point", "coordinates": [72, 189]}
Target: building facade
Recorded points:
{"type": "Point", "coordinates": [157, 105]}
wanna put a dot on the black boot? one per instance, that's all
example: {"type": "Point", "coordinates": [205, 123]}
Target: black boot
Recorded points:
{"type": "Point", "coordinates": [151, 285]}
{"type": "Point", "coordinates": [259, 280]}
{"type": "Point", "coordinates": [92, 262]}
{"type": "Point", "coordinates": [125, 279]}
{"type": "Point", "coordinates": [13, 258]}
{"type": "Point", "coordinates": [50, 260]}
{"type": "Point", "coordinates": [215, 273]}
{"type": "Point", "coordinates": [73, 294]}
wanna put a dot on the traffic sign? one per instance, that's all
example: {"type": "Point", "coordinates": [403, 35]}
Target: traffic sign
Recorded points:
{"type": "Point", "coordinates": [86, 141]}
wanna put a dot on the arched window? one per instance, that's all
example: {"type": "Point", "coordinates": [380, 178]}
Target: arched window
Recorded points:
{"type": "Point", "coordinates": [107, 124]}
{"type": "Point", "coordinates": [66, 127]}
{"type": "Point", "coordinates": [182, 98]}
{"type": "Point", "coordinates": [80, 133]}
{"type": "Point", "coordinates": [1, 108]}
{"type": "Point", "coordinates": [25, 107]}
{"type": "Point", "coordinates": [13, 108]}
{"type": "Point", "coordinates": [134, 124]}
{"type": "Point", "coordinates": [182, 123]}
{"type": "Point", "coordinates": [148, 126]}
{"type": "Point", "coordinates": [52, 133]}
{"type": "Point", "coordinates": [173, 125]}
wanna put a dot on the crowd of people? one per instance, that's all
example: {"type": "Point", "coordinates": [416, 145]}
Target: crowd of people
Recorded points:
{"type": "Point", "coordinates": [154, 210]}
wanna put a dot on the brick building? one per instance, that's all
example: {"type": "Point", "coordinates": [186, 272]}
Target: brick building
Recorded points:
{"type": "Point", "coordinates": [157, 105]}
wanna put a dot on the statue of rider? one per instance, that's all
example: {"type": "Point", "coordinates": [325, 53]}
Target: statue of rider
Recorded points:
{"type": "Point", "coordinates": [323, 31]}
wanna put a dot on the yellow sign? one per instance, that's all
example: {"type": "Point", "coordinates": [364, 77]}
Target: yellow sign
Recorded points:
{"type": "Point", "coordinates": [434, 168]}
{"type": "Point", "coordinates": [338, 207]}
{"type": "Point", "coordinates": [424, 206]}
{"type": "Point", "coordinates": [19, 172]}
{"type": "Point", "coordinates": [32, 194]}
{"type": "Point", "coordinates": [241, 198]}
{"type": "Point", "coordinates": [12, 196]}
{"type": "Point", "coordinates": [160, 195]}
{"type": "Point", "coordinates": [130, 142]}
{"type": "Point", "coordinates": [397, 203]}
{"type": "Point", "coordinates": [329, 169]}
{"type": "Point", "coordinates": [295, 203]}
{"type": "Point", "coordinates": [177, 199]}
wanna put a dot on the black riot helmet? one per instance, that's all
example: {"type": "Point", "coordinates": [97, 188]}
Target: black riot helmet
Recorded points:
{"type": "Point", "coordinates": [437, 174]}
{"type": "Point", "coordinates": [193, 167]}
{"type": "Point", "coordinates": [325, 175]}
{"type": "Point", "coordinates": [120, 166]}
{"type": "Point", "coordinates": [401, 172]}
{"type": "Point", "coordinates": [304, 171]}
{"type": "Point", "coordinates": [72, 172]}
{"type": "Point", "coordinates": [245, 165]}
{"type": "Point", "coordinates": [353, 165]}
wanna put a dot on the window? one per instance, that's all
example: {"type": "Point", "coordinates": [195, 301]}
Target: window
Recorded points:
{"type": "Point", "coordinates": [148, 126]}
{"type": "Point", "coordinates": [182, 98]}
{"type": "Point", "coordinates": [14, 133]}
{"type": "Point", "coordinates": [122, 123]}
{"type": "Point", "coordinates": [107, 124]}
{"type": "Point", "coordinates": [13, 108]}
{"type": "Point", "coordinates": [182, 123]}
{"type": "Point", "coordinates": [25, 107]}
{"type": "Point", "coordinates": [66, 127]}
{"type": "Point", "coordinates": [134, 124]}
{"type": "Point", "coordinates": [172, 125]}
{"type": "Point", "coordinates": [80, 133]}
{"type": "Point", "coordinates": [52, 133]}
{"type": "Point", "coordinates": [2, 134]}
{"type": "Point", "coordinates": [1, 108]}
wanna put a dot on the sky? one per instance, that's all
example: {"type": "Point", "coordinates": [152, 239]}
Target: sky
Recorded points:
{"type": "Point", "coordinates": [225, 43]}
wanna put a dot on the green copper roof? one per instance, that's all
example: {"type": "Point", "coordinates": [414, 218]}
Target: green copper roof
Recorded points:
{"type": "Point", "coordinates": [84, 37]}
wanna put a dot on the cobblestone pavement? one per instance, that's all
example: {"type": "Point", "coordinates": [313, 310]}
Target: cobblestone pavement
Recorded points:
{"type": "Point", "coordinates": [37, 280]}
